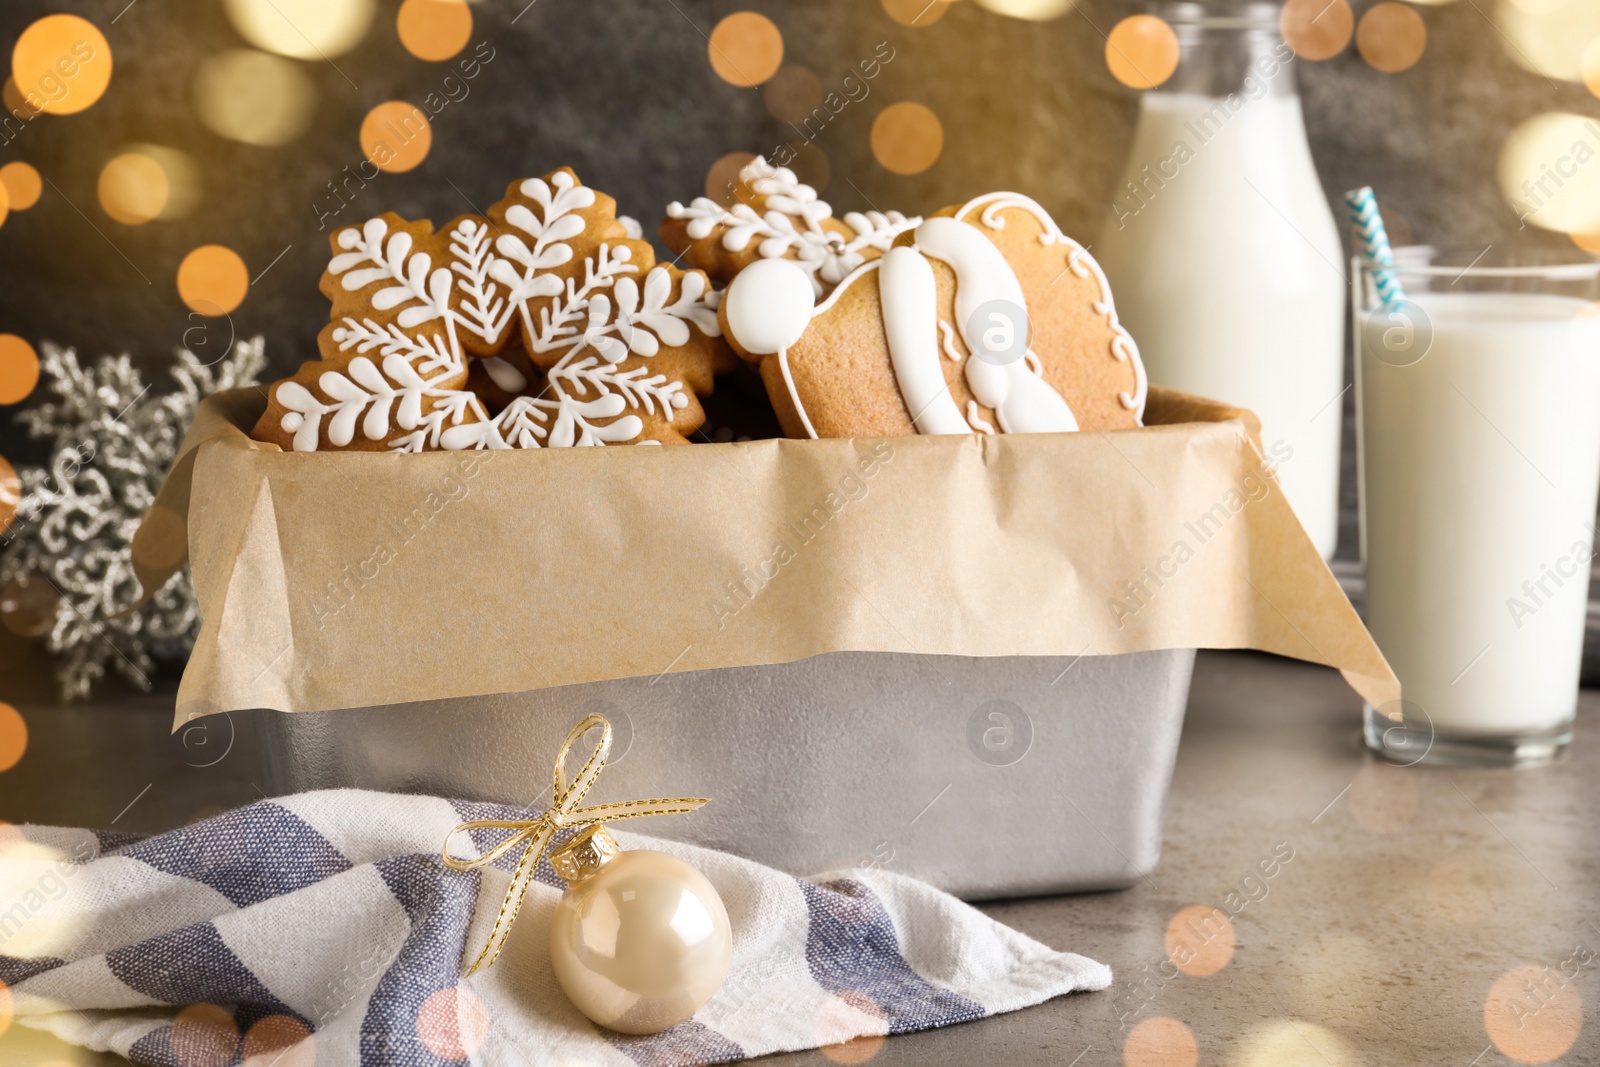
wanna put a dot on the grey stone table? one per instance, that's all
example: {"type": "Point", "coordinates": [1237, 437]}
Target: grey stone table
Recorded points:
{"type": "Point", "coordinates": [1397, 899]}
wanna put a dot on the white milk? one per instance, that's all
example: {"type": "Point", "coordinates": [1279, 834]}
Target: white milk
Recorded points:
{"type": "Point", "coordinates": [1480, 464]}
{"type": "Point", "coordinates": [1225, 265]}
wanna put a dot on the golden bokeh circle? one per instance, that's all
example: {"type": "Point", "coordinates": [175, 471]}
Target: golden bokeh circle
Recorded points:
{"type": "Point", "coordinates": [22, 185]}
{"type": "Point", "coordinates": [1317, 29]}
{"type": "Point", "coordinates": [28, 606]}
{"type": "Point", "coordinates": [1031, 10]}
{"type": "Point", "coordinates": [792, 94]}
{"type": "Point", "coordinates": [162, 540]}
{"type": "Point", "coordinates": [1533, 1014]}
{"type": "Point", "coordinates": [1292, 1043]}
{"type": "Point", "coordinates": [396, 136]}
{"type": "Point", "coordinates": [1544, 175]}
{"type": "Point", "coordinates": [1200, 940]}
{"type": "Point", "coordinates": [1551, 38]}
{"type": "Point", "coordinates": [907, 138]}
{"type": "Point", "coordinates": [917, 13]}
{"type": "Point", "coordinates": [279, 1041]}
{"type": "Point", "coordinates": [1160, 1042]}
{"type": "Point", "coordinates": [1591, 66]}
{"type": "Point", "coordinates": [213, 280]}
{"type": "Point", "coordinates": [1383, 798]}
{"type": "Point", "coordinates": [134, 188]}
{"type": "Point", "coordinates": [204, 1035]}
{"type": "Point", "coordinates": [722, 180]}
{"type": "Point", "coordinates": [19, 369]}
{"type": "Point", "coordinates": [811, 165]}
{"type": "Point", "coordinates": [61, 64]}
{"type": "Point", "coordinates": [5, 204]}
{"type": "Point", "coordinates": [6, 1010]}
{"type": "Point", "coordinates": [844, 1012]}
{"type": "Point", "coordinates": [1142, 51]}
{"type": "Point", "coordinates": [1391, 37]}
{"type": "Point", "coordinates": [745, 49]}
{"type": "Point", "coordinates": [1587, 242]}
{"type": "Point", "coordinates": [302, 29]}
{"type": "Point", "coordinates": [453, 1023]}
{"type": "Point", "coordinates": [434, 30]}
{"type": "Point", "coordinates": [10, 493]}
{"type": "Point", "coordinates": [254, 97]}
{"type": "Point", "coordinates": [13, 737]}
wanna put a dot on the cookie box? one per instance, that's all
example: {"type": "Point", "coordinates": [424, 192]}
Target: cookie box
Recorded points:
{"type": "Point", "coordinates": [961, 657]}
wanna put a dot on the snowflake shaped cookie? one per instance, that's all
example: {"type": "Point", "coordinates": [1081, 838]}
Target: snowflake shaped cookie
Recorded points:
{"type": "Point", "coordinates": [777, 216]}
{"type": "Point", "coordinates": [542, 325]}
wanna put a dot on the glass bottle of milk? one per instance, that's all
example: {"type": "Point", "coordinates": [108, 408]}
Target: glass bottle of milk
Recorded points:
{"type": "Point", "coordinates": [1222, 249]}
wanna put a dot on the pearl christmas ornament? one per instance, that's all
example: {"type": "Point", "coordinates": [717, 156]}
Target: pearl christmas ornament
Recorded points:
{"type": "Point", "coordinates": [640, 941]}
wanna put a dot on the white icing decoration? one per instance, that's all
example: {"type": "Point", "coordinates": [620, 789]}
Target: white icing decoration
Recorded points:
{"type": "Point", "coordinates": [792, 223]}
{"type": "Point", "coordinates": [1083, 265]}
{"type": "Point", "coordinates": [610, 316]}
{"type": "Point", "coordinates": [948, 341]}
{"type": "Point", "coordinates": [769, 306]}
{"type": "Point", "coordinates": [794, 394]}
{"type": "Point", "coordinates": [976, 419]}
{"type": "Point", "coordinates": [910, 297]}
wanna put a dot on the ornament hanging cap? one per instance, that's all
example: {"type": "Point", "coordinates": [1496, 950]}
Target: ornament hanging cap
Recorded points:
{"type": "Point", "coordinates": [564, 812]}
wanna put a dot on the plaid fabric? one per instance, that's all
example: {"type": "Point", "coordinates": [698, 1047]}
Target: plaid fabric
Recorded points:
{"type": "Point", "coordinates": [322, 928]}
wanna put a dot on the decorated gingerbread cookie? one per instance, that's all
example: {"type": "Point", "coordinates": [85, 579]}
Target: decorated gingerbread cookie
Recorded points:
{"type": "Point", "coordinates": [776, 216]}
{"type": "Point", "coordinates": [983, 319]}
{"type": "Point", "coordinates": [570, 331]}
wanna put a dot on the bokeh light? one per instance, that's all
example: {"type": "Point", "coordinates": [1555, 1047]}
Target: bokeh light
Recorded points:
{"type": "Point", "coordinates": [6, 1010]}
{"type": "Point", "coordinates": [204, 1035]}
{"type": "Point", "coordinates": [302, 29]}
{"type": "Point", "coordinates": [453, 1023]}
{"type": "Point", "coordinates": [61, 64]}
{"type": "Point", "coordinates": [745, 49]}
{"type": "Point", "coordinates": [1550, 38]}
{"type": "Point", "coordinates": [1160, 1042]}
{"type": "Point", "coordinates": [918, 13]}
{"type": "Point", "coordinates": [13, 737]}
{"type": "Point", "coordinates": [1317, 29]}
{"type": "Point", "coordinates": [434, 30]}
{"type": "Point", "coordinates": [1590, 64]}
{"type": "Point", "coordinates": [1292, 1043]}
{"type": "Point", "coordinates": [1547, 173]}
{"type": "Point", "coordinates": [907, 138]}
{"type": "Point", "coordinates": [10, 493]}
{"type": "Point", "coordinates": [1383, 798]}
{"type": "Point", "coordinates": [16, 104]}
{"type": "Point", "coordinates": [19, 368]}
{"type": "Point", "coordinates": [253, 97]}
{"type": "Point", "coordinates": [212, 280]}
{"type": "Point", "coordinates": [22, 185]}
{"type": "Point", "coordinates": [28, 606]}
{"type": "Point", "coordinates": [279, 1041]}
{"type": "Point", "coordinates": [811, 165]}
{"type": "Point", "coordinates": [1200, 940]}
{"type": "Point", "coordinates": [1032, 10]}
{"type": "Point", "coordinates": [792, 94]}
{"type": "Point", "coordinates": [5, 204]}
{"type": "Point", "coordinates": [1533, 1014]}
{"type": "Point", "coordinates": [1142, 51]}
{"type": "Point", "coordinates": [396, 136]}
{"type": "Point", "coordinates": [722, 180]}
{"type": "Point", "coordinates": [849, 1013]}
{"type": "Point", "coordinates": [134, 188]}
{"type": "Point", "coordinates": [1588, 242]}
{"type": "Point", "coordinates": [1391, 37]}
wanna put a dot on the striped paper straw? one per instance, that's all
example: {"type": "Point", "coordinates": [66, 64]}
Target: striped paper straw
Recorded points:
{"type": "Point", "coordinates": [1374, 243]}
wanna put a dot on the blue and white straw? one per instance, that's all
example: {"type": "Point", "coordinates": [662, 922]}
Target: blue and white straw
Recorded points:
{"type": "Point", "coordinates": [1374, 240]}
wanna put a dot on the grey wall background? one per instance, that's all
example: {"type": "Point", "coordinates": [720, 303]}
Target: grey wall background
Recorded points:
{"type": "Point", "coordinates": [622, 91]}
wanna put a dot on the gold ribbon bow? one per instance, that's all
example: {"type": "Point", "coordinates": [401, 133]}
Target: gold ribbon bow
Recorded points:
{"type": "Point", "coordinates": [562, 813]}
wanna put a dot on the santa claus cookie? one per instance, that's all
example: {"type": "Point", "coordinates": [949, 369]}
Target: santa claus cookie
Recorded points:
{"type": "Point", "coordinates": [983, 319]}
{"type": "Point", "coordinates": [776, 216]}
{"type": "Point", "coordinates": [573, 332]}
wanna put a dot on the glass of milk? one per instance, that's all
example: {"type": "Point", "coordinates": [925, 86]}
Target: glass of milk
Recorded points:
{"type": "Point", "coordinates": [1478, 399]}
{"type": "Point", "coordinates": [1223, 252]}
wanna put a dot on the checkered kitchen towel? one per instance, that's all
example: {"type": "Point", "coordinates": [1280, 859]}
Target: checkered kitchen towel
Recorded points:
{"type": "Point", "coordinates": [324, 923]}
